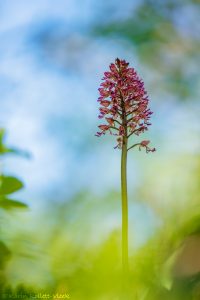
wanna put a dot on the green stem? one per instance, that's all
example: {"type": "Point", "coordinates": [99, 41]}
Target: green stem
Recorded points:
{"type": "Point", "coordinates": [125, 266]}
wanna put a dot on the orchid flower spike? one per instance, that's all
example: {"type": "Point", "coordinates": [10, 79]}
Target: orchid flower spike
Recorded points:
{"type": "Point", "coordinates": [124, 105]}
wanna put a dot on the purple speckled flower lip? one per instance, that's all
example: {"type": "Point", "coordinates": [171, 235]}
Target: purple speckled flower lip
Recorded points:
{"type": "Point", "coordinates": [124, 104]}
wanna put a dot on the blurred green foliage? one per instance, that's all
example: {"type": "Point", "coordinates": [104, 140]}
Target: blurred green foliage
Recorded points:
{"type": "Point", "coordinates": [8, 186]}
{"type": "Point", "coordinates": [68, 254]}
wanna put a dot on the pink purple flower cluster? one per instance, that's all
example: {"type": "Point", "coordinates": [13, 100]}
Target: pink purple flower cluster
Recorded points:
{"type": "Point", "coordinates": [123, 104]}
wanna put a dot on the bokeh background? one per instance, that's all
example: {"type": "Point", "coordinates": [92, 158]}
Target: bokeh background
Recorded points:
{"type": "Point", "coordinates": [53, 55]}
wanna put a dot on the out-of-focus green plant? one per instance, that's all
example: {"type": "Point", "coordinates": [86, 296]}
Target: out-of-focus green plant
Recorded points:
{"type": "Point", "coordinates": [8, 186]}
{"type": "Point", "coordinates": [68, 255]}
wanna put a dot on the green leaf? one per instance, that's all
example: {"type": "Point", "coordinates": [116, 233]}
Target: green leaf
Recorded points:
{"type": "Point", "coordinates": [5, 253]}
{"type": "Point", "coordinates": [2, 135]}
{"type": "Point", "coordinates": [9, 185]}
{"type": "Point", "coordinates": [10, 204]}
{"type": "Point", "coordinates": [5, 150]}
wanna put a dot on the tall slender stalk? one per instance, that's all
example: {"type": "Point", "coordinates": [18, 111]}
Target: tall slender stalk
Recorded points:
{"type": "Point", "coordinates": [124, 194]}
{"type": "Point", "coordinates": [125, 264]}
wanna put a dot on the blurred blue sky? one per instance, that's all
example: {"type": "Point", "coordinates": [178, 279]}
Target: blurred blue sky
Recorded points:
{"type": "Point", "coordinates": [50, 108]}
